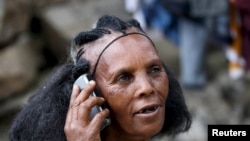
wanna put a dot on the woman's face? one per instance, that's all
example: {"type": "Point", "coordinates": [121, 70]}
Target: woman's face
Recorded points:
{"type": "Point", "coordinates": [134, 83]}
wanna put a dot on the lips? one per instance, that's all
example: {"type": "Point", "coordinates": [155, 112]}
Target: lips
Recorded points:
{"type": "Point", "coordinates": [147, 109]}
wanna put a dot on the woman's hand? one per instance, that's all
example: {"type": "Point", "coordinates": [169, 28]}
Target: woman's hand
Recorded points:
{"type": "Point", "coordinates": [78, 126]}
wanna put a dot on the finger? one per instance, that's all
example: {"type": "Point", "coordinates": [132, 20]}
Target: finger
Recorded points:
{"type": "Point", "coordinates": [85, 93]}
{"type": "Point", "coordinates": [85, 107]}
{"type": "Point", "coordinates": [75, 93]}
{"type": "Point", "coordinates": [68, 121]}
{"type": "Point", "coordinates": [99, 119]}
{"type": "Point", "coordinates": [69, 125]}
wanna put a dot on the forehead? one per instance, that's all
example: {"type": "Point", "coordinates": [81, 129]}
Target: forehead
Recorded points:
{"type": "Point", "coordinates": [133, 45]}
{"type": "Point", "coordinates": [131, 51]}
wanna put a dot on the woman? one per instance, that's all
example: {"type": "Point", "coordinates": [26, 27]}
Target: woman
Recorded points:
{"type": "Point", "coordinates": [143, 98]}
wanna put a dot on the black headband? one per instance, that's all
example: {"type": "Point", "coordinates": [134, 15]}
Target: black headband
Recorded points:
{"type": "Point", "coordinates": [113, 42]}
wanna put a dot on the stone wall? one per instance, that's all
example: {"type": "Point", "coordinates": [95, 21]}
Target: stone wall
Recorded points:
{"type": "Point", "coordinates": [36, 34]}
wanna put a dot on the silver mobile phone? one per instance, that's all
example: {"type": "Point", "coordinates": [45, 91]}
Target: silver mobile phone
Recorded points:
{"type": "Point", "coordinates": [82, 81]}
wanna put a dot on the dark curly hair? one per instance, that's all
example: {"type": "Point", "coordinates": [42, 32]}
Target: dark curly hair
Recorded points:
{"type": "Point", "coordinates": [43, 117]}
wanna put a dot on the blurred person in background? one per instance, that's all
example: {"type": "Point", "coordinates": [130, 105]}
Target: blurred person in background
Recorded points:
{"type": "Point", "coordinates": [206, 19]}
{"type": "Point", "coordinates": [189, 24]}
{"type": "Point", "coordinates": [153, 15]}
{"type": "Point", "coordinates": [238, 53]}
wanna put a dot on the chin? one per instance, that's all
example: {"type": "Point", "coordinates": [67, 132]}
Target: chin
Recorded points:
{"type": "Point", "coordinates": [151, 132]}
{"type": "Point", "coordinates": [153, 128]}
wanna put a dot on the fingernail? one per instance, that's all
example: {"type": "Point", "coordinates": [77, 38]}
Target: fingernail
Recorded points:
{"type": "Point", "coordinates": [91, 82]}
{"type": "Point", "coordinates": [75, 86]}
{"type": "Point", "coordinates": [106, 110]}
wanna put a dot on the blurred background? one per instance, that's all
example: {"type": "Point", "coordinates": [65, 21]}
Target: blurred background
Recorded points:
{"type": "Point", "coordinates": [205, 46]}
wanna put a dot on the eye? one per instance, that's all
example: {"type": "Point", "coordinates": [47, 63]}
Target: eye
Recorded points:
{"type": "Point", "coordinates": [124, 77]}
{"type": "Point", "coordinates": [155, 70]}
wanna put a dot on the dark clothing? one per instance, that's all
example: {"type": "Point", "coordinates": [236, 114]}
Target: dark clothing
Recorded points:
{"type": "Point", "coordinates": [243, 7]}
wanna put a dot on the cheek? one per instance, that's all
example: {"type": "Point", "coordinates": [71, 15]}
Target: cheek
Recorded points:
{"type": "Point", "coordinates": [119, 110]}
{"type": "Point", "coordinates": [118, 99]}
{"type": "Point", "coordinates": [162, 86]}
{"type": "Point", "coordinates": [120, 102]}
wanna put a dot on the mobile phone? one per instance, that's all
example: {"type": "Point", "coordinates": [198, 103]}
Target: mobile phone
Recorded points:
{"type": "Point", "coordinates": [82, 81]}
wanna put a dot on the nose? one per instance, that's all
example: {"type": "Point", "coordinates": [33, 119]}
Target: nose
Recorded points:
{"type": "Point", "coordinates": [144, 86]}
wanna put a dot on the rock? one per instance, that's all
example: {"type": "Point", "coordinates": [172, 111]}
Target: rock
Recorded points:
{"type": "Point", "coordinates": [14, 19]}
{"type": "Point", "coordinates": [39, 4]}
{"type": "Point", "coordinates": [64, 21]}
{"type": "Point", "coordinates": [19, 63]}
